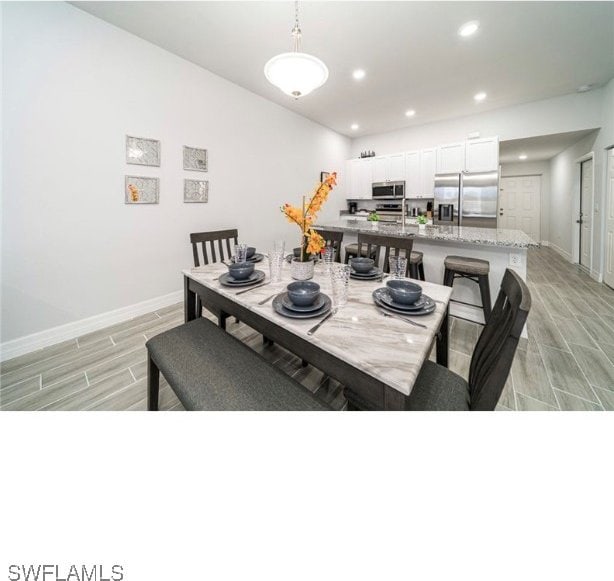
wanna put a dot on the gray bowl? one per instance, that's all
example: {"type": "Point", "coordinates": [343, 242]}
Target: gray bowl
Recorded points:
{"type": "Point", "coordinates": [250, 251]}
{"type": "Point", "coordinates": [241, 270]}
{"type": "Point", "coordinates": [303, 293]}
{"type": "Point", "coordinates": [404, 291]}
{"type": "Point", "coordinates": [362, 265]}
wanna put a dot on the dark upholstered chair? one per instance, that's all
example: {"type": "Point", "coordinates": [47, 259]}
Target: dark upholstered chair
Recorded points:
{"type": "Point", "coordinates": [438, 388]}
{"type": "Point", "coordinates": [392, 246]}
{"type": "Point", "coordinates": [208, 369]}
{"type": "Point", "coordinates": [334, 239]}
{"type": "Point", "coordinates": [223, 238]}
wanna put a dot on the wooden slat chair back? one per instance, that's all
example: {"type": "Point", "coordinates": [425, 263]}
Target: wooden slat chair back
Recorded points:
{"type": "Point", "coordinates": [392, 246]}
{"type": "Point", "coordinates": [219, 238]}
{"type": "Point", "coordinates": [334, 239]}
{"type": "Point", "coordinates": [496, 347]}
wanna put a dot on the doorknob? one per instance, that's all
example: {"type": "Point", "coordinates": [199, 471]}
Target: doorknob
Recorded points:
{"type": "Point", "coordinates": [578, 221]}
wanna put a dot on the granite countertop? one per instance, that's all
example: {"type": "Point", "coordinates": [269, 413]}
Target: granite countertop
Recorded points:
{"type": "Point", "coordinates": [462, 234]}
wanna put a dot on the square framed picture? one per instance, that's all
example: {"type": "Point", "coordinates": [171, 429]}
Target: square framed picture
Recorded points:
{"type": "Point", "coordinates": [142, 151]}
{"type": "Point", "coordinates": [195, 159]}
{"type": "Point", "coordinates": [195, 191]}
{"type": "Point", "coordinates": [141, 190]}
{"type": "Point", "coordinates": [324, 175]}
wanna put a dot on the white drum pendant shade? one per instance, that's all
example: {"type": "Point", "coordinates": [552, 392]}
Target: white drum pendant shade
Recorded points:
{"type": "Point", "coordinates": [296, 73]}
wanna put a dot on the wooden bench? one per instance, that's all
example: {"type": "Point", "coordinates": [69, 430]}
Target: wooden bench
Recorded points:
{"type": "Point", "coordinates": [209, 369]}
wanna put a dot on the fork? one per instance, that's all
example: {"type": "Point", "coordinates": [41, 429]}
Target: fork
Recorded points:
{"type": "Point", "coordinates": [385, 314]}
{"type": "Point", "coordinates": [264, 301]}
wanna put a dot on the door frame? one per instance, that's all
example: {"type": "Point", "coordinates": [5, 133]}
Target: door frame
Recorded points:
{"type": "Point", "coordinates": [575, 211]}
{"type": "Point", "coordinates": [609, 152]}
{"type": "Point", "coordinates": [541, 183]}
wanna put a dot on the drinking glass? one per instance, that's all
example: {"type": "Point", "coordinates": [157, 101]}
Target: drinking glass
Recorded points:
{"type": "Point", "coordinates": [340, 281]}
{"type": "Point", "coordinates": [328, 255]}
{"type": "Point", "coordinates": [241, 253]}
{"type": "Point", "coordinates": [276, 261]}
{"type": "Point", "coordinates": [398, 266]}
{"type": "Point", "coordinates": [279, 245]}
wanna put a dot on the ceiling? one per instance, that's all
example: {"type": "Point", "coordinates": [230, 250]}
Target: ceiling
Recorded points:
{"type": "Point", "coordinates": [539, 148]}
{"type": "Point", "coordinates": [411, 52]}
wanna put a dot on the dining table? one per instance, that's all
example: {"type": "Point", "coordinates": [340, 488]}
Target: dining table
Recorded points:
{"type": "Point", "coordinates": [376, 358]}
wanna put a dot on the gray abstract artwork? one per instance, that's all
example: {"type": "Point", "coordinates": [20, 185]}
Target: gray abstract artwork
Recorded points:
{"type": "Point", "coordinates": [142, 190]}
{"type": "Point", "coordinates": [195, 159]}
{"type": "Point", "coordinates": [142, 151]}
{"type": "Point", "coordinates": [195, 191]}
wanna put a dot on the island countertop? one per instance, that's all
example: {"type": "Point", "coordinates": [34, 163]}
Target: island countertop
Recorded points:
{"type": "Point", "coordinates": [455, 234]}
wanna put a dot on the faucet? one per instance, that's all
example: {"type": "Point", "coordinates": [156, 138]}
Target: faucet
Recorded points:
{"type": "Point", "coordinates": [403, 212]}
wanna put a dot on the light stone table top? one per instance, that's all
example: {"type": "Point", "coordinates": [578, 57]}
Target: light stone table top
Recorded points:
{"type": "Point", "coordinates": [389, 350]}
{"type": "Point", "coordinates": [462, 234]}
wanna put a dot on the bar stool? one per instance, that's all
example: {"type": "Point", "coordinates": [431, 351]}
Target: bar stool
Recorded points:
{"type": "Point", "coordinates": [416, 266]}
{"type": "Point", "coordinates": [351, 251]}
{"type": "Point", "coordinates": [474, 269]}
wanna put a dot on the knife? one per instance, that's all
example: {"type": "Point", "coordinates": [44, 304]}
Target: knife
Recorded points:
{"type": "Point", "coordinates": [316, 327]}
{"type": "Point", "coordinates": [251, 288]}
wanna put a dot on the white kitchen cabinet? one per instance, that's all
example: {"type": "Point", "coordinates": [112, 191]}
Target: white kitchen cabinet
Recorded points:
{"type": "Point", "coordinates": [482, 154]}
{"type": "Point", "coordinates": [413, 183]}
{"type": "Point", "coordinates": [428, 164]}
{"type": "Point", "coordinates": [451, 158]}
{"type": "Point", "coordinates": [389, 168]}
{"type": "Point", "coordinates": [360, 178]}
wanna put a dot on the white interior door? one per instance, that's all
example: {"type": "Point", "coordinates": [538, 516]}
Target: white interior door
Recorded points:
{"type": "Point", "coordinates": [586, 212]}
{"type": "Point", "coordinates": [520, 205]}
{"type": "Point", "coordinates": [609, 228]}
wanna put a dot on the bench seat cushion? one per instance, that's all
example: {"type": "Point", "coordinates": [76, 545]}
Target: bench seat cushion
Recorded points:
{"type": "Point", "coordinates": [467, 265]}
{"type": "Point", "coordinates": [209, 369]}
{"type": "Point", "coordinates": [438, 389]}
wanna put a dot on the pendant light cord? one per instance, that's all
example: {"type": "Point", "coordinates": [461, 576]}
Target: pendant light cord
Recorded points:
{"type": "Point", "coordinates": [296, 31]}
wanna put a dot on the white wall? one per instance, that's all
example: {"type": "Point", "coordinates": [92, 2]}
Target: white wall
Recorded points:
{"type": "Point", "coordinates": [74, 86]}
{"type": "Point", "coordinates": [564, 184]}
{"type": "Point", "coordinates": [541, 168]}
{"type": "Point", "coordinates": [557, 115]}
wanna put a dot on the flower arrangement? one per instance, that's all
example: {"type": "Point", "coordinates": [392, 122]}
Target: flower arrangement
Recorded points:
{"type": "Point", "coordinates": [422, 219]}
{"type": "Point", "coordinates": [304, 218]}
{"type": "Point", "coordinates": [373, 217]}
{"type": "Point", "coordinates": [134, 193]}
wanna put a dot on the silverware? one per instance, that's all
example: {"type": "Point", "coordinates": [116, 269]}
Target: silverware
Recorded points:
{"type": "Point", "coordinates": [400, 318]}
{"type": "Point", "coordinates": [264, 301]}
{"type": "Point", "coordinates": [251, 288]}
{"type": "Point", "coordinates": [316, 327]}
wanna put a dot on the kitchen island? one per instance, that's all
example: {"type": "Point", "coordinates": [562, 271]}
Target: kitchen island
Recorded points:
{"type": "Point", "coordinates": [501, 247]}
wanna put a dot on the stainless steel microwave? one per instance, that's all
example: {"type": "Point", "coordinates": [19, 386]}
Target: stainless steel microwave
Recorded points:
{"type": "Point", "coordinates": [388, 191]}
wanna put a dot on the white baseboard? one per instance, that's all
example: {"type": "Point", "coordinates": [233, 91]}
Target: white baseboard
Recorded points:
{"type": "Point", "coordinates": [545, 243]}
{"type": "Point", "coordinates": [596, 276]}
{"type": "Point", "coordinates": [562, 252]}
{"type": "Point", "coordinates": [29, 343]}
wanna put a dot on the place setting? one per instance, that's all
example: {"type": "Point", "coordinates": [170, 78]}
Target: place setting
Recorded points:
{"type": "Point", "coordinates": [302, 300]}
{"type": "Point", "coordinates": [241, 270]}
{"type": "Point", "coordinates": [364, 269]}
{"type": "Point", "coordinates": [401, 298]}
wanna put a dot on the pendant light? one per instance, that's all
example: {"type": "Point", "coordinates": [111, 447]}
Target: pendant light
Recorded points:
{"type": "Point", "coordinates": [296, 73]}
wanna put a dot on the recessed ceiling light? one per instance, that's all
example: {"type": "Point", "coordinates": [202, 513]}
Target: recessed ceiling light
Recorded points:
{"type": "Point", "coordinates": [522, 156]}
{"type": "Point", "coordinates": [584, 88]}
{"type": "Point", "coordinates": [354, 126]}
{"type": "Point", "coordinates": [479, 96]}
{"type": "Point", "coordinates": [469, 28]}
{"type": "Point", "coordinates": [358, 74]}
{"type": "Point", "coordinates": [410, 113]}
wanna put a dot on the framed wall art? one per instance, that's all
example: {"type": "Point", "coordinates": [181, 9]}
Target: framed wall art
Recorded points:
{"type": "Point", "coordinates": [324, 175]}
{"type": "Point", "coordinates": [142, 151]}
{"type": "Point", "coordinates": [141, 190]}
{"type": "Point", "coordinates": [195, 191]}
{"type": "Point", "coordinates": [195, 159]}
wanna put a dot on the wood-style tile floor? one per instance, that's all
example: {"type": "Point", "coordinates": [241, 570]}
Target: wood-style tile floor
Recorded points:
{"type": "Point", "coordinates": [567, 363]}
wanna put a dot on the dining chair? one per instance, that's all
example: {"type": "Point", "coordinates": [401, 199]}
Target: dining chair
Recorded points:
{"type": "Point", "coordinates": [223, 239]}
{"type": "Point", "coordinates": [438, 388]}
{"type": "Point", "coordinates": [392, 247]}
{"type": "Point", "coordinates": [334, 239]}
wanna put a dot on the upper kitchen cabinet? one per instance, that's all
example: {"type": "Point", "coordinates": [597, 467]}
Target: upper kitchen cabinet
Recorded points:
{"type": "Point", "coordinates": [451, 158]}
{"type": "Point", "coordinates": [413, 183]}
{"type": "Point", "coordinates": [482, 154]}
{"type": "Point", "coordinates": [360, 178]}
{"type": "Point", "coordinates": [428, 164]}
{"type": "Point", "coordinates": [389, 168]}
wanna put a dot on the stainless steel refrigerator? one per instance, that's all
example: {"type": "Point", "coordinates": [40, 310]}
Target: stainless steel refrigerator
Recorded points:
{"type": "Point", "coordinates": [466, 199]}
